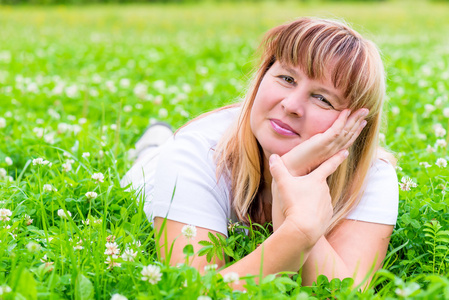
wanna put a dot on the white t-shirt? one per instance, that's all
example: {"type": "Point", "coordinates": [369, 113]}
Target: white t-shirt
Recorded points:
{"type": "Point", "coordinates": [184, 187]}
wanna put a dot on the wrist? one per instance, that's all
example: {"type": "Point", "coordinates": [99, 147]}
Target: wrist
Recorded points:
{"type": "Point", "coordinates": [294, 166]}
{"type": "Point", "coordinates": [307, 236]}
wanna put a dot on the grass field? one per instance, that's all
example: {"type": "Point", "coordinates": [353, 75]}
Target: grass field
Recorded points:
{"type": "Point", "coordinates": [78, 85]}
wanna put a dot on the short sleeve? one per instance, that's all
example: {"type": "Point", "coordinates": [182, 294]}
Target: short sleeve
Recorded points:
{"type": "Point", "coordinates": [380, 199]}
{"type": "Point", "coordinates": [186, 188]}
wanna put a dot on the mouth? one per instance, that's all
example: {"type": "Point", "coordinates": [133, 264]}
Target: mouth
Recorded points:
{"type": "Point", "coordinates": [282, 128]}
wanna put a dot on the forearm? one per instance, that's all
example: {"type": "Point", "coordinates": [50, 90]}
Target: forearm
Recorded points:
{"type": "Point", "coordinates": [323, 259]}
{"type": "Point", "coordinates": [285, 250]}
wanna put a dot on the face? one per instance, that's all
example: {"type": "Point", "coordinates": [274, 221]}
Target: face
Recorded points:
{"type": "Point", "coordinates": [290, 107]}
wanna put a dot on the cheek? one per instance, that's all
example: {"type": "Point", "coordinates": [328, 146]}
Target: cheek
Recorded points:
{"type": "Point", "coordinates": [324, 121]}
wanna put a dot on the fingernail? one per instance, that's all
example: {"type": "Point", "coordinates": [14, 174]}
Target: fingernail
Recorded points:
{"type": "Point", "coordinates": [349, 112]}
{"type": "Point", "coordinates": [365, 112]}
{"type": "Point", "coordinates": [345, 153]}
{"type": "Point", "coordinates": [273, 158]}
{"type": "Point", "coordinates": [363, 124]}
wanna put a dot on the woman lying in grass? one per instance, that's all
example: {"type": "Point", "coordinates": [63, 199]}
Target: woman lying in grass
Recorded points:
{"type": "Point", "coordinates": [301, 151]}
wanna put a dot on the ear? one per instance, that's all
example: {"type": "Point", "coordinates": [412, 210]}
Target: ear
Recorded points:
{"type": "Point", "coordinates": [386, 156]}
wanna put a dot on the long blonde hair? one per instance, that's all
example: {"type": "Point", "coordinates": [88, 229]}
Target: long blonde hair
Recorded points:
{"type": "Point", "coordinates": [313, 45]}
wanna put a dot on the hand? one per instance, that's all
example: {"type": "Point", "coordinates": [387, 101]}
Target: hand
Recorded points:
{"type": "Point", "coordinates": [303, 201]}
{"type": "Point", "coordinates": [308, 155]}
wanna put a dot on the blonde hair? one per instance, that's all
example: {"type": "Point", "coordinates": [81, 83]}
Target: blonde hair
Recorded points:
{"type": "Point", "coordinates": [316, 46]}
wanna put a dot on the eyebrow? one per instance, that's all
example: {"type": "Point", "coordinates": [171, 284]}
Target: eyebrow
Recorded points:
{"type": "Point", "coordinates": [321, 90]}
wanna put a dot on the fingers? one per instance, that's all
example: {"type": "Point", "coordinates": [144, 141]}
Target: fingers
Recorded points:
{"type": "Point", "coordinates": [344, 136]}
{"type": "Point", "coordinates": [355, 135]}
{"type": "Point", "coordinates": [277, 168]}
{"type": "Point", "coordinates": [355, 120]}
{"type": "Point", "coordinates": [329, 166]}
{"type": "Point", "coordinates": [339, 124]}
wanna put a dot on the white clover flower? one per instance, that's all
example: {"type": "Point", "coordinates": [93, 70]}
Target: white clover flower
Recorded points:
{"type": "Point", "coordinates": [3, 173]}
{"type": "Point", "coordinates": [48, 264]}
{"type": "Point", "coordinates": [40, 161]}
{"type": "Point", "coordinates": [4, 289]}
{"type": "Point", "coordinates": [63, 215]}
{"type": "Point", "coordinates": [441, 143]}
{"type": "Point", "coordinates": [210, 267]}
{"type": "Point", "coordinates": [232, 226]}
{"type": "Point", "coordinates": [28, 220]}
{"type": "Point", "coordinates": [440, 131]}
{"type": "Point", "coordinates": [112, 249]}
{"type": "Point", "coordinates": [2, 122]}
{"type": "Point", "coordinates": [91, 195]}
{"type": "Point", "coordinates": [86, 154]}
{"type": "Point", "coordinates": [8, 161]}
{"type": "Point", "coordinates": [407, 183]}
{"type": "Point", "coordinates": [124, 82]}
{"type": "Point", "coordinates": [63, 127]}
{"type": "Point", "coordinates": [189, 231]}
{"type": "Point", "coordinates": [5, 214]}
{"type": "Point", "coordinates": [99, 177]}
{"type": "Point", "coordinates": [203, 297]}
{"type": "Point", "coordinates": [231, 277]}
{"type": "Point", "coordinates": [33, 247]}
{"type": "Point", "coordinates": [111, 262]}
{"type": "Point", "coordinates": [129, 255]}
{"type": "Point", "coordinates": [118, 297]}
{"type": "Point", "coordinates": [446, 112]}
{"type": "Point", "coordinates": [151, 273]}
{"type": "Point", "coordinates": [127, 108]}
{"type": "Point", "coordinates": [163, 113]}
{"type": "Point", "coordinates": [425, 164]}
{"type": "Point", "coordinates": [82, 121]}
{"type": "Point", "coordinates": [79, 245]}
{"type": "Point", "coordinates": [395, 110]}
{"type": "Point", "coordinates": [39, 131]}
{"type": "Point", "coordinates": [50, 137]}
{"type": "Point", "coordinates": [429, 108]}
{"type": "Point", "coordinates": [67, 166]}
{"type": "Point", "coordinates": [49, 188]}
{"type": "Point", "coordinates": [430, 149]}
{"type": "Point", "coordinates": [140, 90]}
{"type": "Point", "coordinates": [441, 162]}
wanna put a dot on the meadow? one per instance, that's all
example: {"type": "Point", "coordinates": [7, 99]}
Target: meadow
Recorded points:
{"type": "Point", "coordinates": [78, 85]}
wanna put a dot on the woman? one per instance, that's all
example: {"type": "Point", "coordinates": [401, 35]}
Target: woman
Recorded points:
{"type": "Point", "coordinates": [301, 151]}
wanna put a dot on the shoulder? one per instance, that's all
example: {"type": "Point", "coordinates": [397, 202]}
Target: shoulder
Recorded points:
{"type": "Point", "coordinates": [210, 126]}
{"type": "Point", "coordinates": [386, 156]}
{"type": "Point", "coordinates": [380, 195]}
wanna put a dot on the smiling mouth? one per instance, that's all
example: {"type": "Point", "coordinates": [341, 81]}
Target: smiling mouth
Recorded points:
{"type": "Point", "coordinates": [282, 128]}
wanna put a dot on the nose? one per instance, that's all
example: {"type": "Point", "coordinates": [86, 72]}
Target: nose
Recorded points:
{"type": "Point", "coordinates": [293, 105]}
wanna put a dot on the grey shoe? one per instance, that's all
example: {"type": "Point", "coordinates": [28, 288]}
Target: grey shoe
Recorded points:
{"type": "Point", "coordinates": [155, 135]}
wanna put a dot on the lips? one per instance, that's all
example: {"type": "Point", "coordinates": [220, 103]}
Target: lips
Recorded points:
{"type": "Point", "coordinates": [282, 128]}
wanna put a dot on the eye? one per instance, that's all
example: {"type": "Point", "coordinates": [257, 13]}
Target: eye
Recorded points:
{"type": "Point", "coordinates": [287, 79]}
{"type": "Point", "coordinates": [323, 100]}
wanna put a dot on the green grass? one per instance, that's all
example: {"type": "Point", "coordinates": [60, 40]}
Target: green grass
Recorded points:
{"type": "Point", "coordinates": [68, 78]}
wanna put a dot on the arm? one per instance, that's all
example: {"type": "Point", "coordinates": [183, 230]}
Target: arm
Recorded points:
{"type": "Point", "coordinates": [353, 249]}
{"type": "Point", "coordinates": [286, 249]}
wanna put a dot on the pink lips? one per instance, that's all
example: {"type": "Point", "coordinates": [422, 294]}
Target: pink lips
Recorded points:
{"type": "Point", "coordinates": [282, 128]}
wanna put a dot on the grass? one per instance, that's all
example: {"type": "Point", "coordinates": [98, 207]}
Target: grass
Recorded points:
{"type": "Point", "coordinates": [89, 79]}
